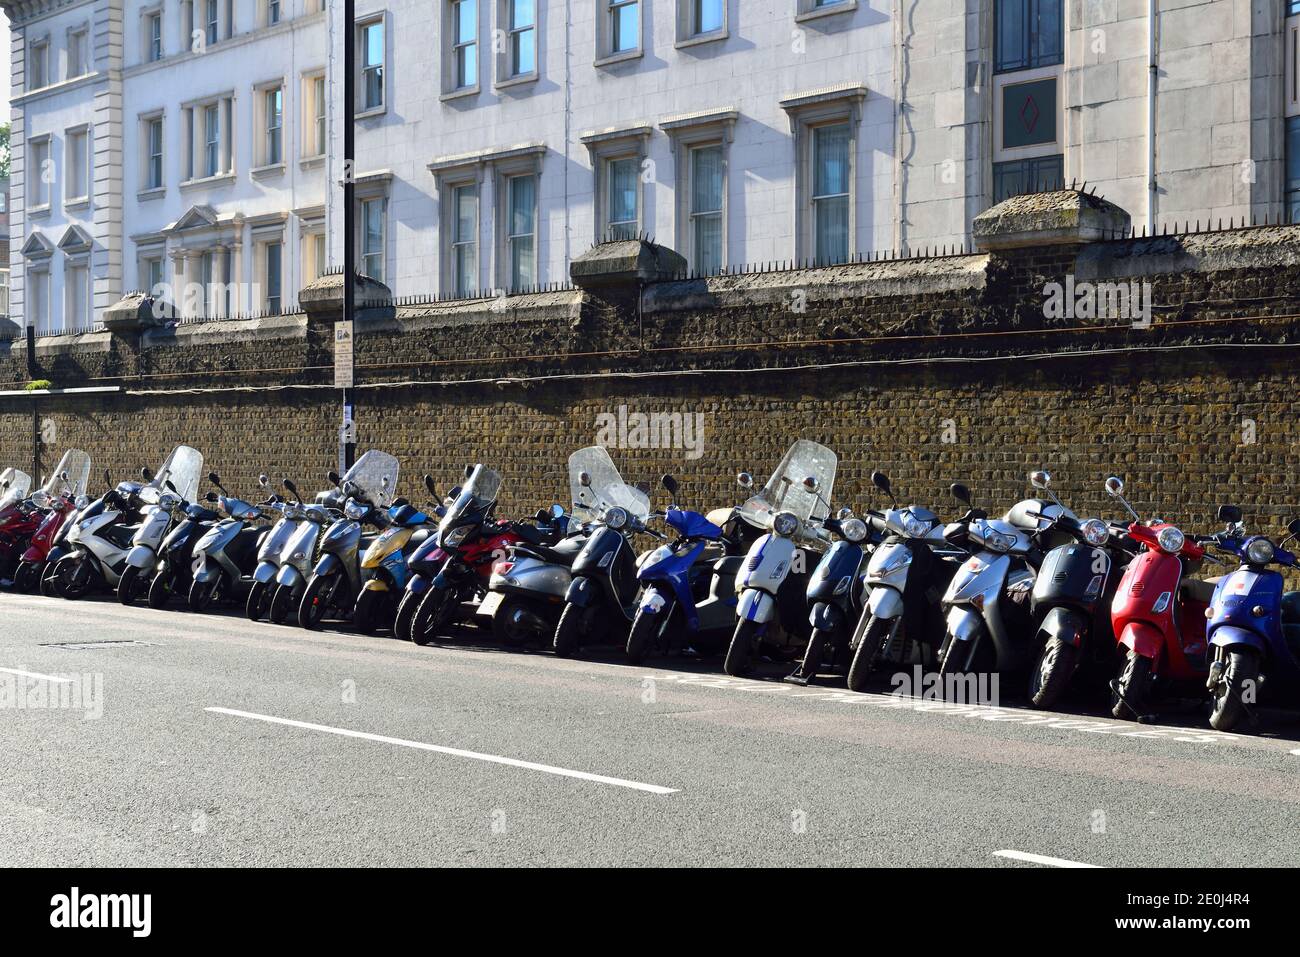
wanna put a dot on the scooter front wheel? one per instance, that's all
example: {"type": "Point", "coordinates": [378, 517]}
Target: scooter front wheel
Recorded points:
{"type": "Point", "coordinates": [1239, 682]}
{"type": "Point", "coordinates": [71, 578]}
{"type": "Point", "coordinates": [645, 629]}
{"type": "Point", "coordinates": [741, 652]}
{"type": "Point", "coordinates": [201, 595]}
{"type": "Point", "coordinates": [568, 633]}
{"type": "Point", "coordinates": [365, 615]}
{"type": "Point", "coordinates": [316, 601]}
{"type": "Point", "coordinates": [259, 601]}
{"type": "Point", "coordinates": [1133, 687]}
{"type": "Point", "coordinates": [281, 605]}
{"type": "Point", "coordinates": [27, 577]}
{"type": "Point", "coordinates": [406, 609]}
{"type": "Point", "coordinates": [868, 650]}
{"type": "Point", "coordinates": [161, 588]}
{"type": "Point", "coordinates": [431, 617]}
{"type": "Point", "coordinates": [1051, 674]}
{"type": "Point", "coordinates": [129, 585]}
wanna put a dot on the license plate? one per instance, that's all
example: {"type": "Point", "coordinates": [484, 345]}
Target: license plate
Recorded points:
{"type": "Point", "coordinates": [490, 603]}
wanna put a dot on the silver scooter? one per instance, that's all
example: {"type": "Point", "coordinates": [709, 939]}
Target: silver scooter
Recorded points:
{"type": "Point", "coordinates": [224, 557]}
{"type": "Point", "coordinates": [165, 498]}
{"type": "Point", "coordinates": [294, 562]}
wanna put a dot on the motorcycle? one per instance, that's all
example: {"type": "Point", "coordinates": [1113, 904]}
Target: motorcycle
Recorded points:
{"type": "Point", "coordinates": [99, 541]}
{"type": "Point", "coordinates": [335, 582]}
{"type": "Point", "coordinates": [466, 547]}
{"type": "Point", "coordinates": [688, 584]}
{"type": "Point", "coordinates": [221, 565]}
{"type": "Point", "coordinates": [835, 593]}
{"type": "Point", "coordinates": [18, 520]}
{"type": "Point", "coordinates": [792, 508]}
{"type": "Point", "coordinates": [57, 500]}
{"type": "Point", "coordinates": [384, 563]}
{"type": "Point", "coordinates": [986, 610]}
{"type": "Point", "coordinates": [905, 578]}
{"type": "Point", "coordinates": [1254, 627]}
{"type": "Point", "coordinates": [600, 596]}
{"type": "Point", "coordinates": [165, 498]}
{"type": "Point", "coordinates": [1158, 615]}
{"type": "Point", "coordinates": [1071, 603]}
{"type": "Point", "coordinates": [526, 589]}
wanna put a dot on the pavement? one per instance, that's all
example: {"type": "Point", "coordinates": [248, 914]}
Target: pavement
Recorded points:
{"type": "Point", "coordinates": [136, 737]}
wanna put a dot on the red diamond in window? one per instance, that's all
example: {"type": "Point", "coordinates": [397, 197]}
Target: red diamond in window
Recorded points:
{"type": "Point", "coordinates": [1029, 113]}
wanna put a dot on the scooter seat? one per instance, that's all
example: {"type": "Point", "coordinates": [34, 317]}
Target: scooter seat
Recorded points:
{"type": "Point", "coordinates": [119, 535]}
{"type": "Point", "coordinates": [1194, 589]}
{"type": "Point", "coordinates": [565, 553]}
{"type": "Point", "coordinates": [729, 566]}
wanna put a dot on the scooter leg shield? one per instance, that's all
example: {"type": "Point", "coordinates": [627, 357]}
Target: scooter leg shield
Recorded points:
{"type": "Point", "coordinates": [756, 606]}
{"type": "Point", "coordinates": [1142, 638]}
{"type": "Point", "coordinates": [1226, 636]}
{"type": "Point", "coordinates": [825, 616]}
{"type": "Point", "coordinates": [141, 556]}
{"type": "Point", "coordinates": [581, 592]}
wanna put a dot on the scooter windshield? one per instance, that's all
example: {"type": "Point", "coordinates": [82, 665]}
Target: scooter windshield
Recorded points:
{"type": "Point", "coordinates": [374, 476]}
{"type": "Point", "coordinates": [15, 485]}
{"type": "Point", "coordinates": [76, 464]}
{"type": "Point", "coordinates": [479, 491]}
{"type": "Point", "coordinates": [785, 491]}
{"type": "Point", "coordinates": [604, 487]}
{"type": "Point", "coordinates": [182, 469]}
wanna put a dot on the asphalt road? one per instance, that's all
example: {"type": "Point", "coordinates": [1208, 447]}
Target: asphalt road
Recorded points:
{"type": "Point", "coordinates": [215, 741]}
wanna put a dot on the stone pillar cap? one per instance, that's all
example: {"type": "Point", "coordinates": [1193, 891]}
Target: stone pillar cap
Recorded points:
{"type": "Point", "coordinates": [1058, 217]}
{"type": "Point", "coordinates": [137, 310]}
{"type": "Point", "coordinates": [322, 299]}
{"type": "Point", "coordinates": [625, 261]}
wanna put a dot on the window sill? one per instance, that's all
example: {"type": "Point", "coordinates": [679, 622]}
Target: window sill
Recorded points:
{"type": "Point", "coordinates": [220, 179]}
{"type": "Point", "coordinates": [514, 81]}
{"type": "Point", "coordinates": [700, 39]}
{"type": "Point", "coordinates": [311, 162]}
{"type": "Point", "coordinates": [153, 192]}
{"type": "Point", "coordinates": [267, 171]}
{"type": "Point", "coordinates": [77, 204]}
{"type": "Point", "coordinates": [38, 212]}
{"type": "Point", "coordinates": [371, 114]}
{"type": "Point", "coordinates": [816, 13]}
{"type": "Point", "coordinates": [460, 94]}
{"type": "Point", "coordinates": [613, 59]}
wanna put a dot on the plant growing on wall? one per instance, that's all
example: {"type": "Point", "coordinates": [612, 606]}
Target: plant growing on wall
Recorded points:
{"type": "Point", "coordinates": [37, 384]}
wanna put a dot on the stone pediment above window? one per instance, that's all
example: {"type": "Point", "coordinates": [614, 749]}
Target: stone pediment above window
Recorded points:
{"type": "Point", "coordinates": [75, 241]}
{"type": "Point", "coordinates": [829, 101]}
{"type": "Point", "coordinates": [37, 246]}
{"type": "Point", "coordinates": [196, 217]}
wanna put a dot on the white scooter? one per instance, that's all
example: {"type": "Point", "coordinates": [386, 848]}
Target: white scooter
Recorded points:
{"type": "Point", "coordinates": [165, 499]}
{"type": "Point", "coordinates": [793, 505]}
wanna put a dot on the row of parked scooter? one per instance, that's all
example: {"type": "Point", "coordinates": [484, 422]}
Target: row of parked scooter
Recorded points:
{"type": "Point", "coordinates": [1038, 593]}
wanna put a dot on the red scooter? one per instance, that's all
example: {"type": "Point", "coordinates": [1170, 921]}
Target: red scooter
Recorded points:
{"type": "Point", "coordinates": [1158, 616]}
{"type": "Point", "coordinates": [57, 500]}
{"type": "Point", "coordinates": [19, 518]}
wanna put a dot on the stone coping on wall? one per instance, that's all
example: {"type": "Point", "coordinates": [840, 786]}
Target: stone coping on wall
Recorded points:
{"type": "Point", "coordinates": [225, 331]}
{"type": "Point", "coordinates": [868, 280]}
{"type": "Point", "coordinates": [1255, 247]}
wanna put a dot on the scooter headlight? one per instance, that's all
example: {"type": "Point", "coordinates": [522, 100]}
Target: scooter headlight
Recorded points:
{"type": "Point", "coordinates": [454, 537]}
{"type": "Point", "coordinates": [616, 517]}
{"type": "Point", "coordinates": [355, 510]}
{"type": "Point", "coordinates": [914, 526]}
{"type": "Point", "coordinates": [82, 501]}
{"type": "Point", "coordinates": [853, 529]}
{"type": "Point", "coordinates": [1170, 539]}
{"type": "Point", "coordinates": [998, 542]}
{"type": "Point", "coordinates": [785, 524]}
{"type": "Point", "coordinates": [1259, 552]}
{"type": "Point", "coordinates": [168, 501]}
{"type": "Point", "coordinates": [41, 499]}
{"type": "Point", "coordinates": [1095, 531]}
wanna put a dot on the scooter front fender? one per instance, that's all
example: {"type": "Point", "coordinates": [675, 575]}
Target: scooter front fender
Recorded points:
{"type": "Point", "coordinates": [756, 606]}
{"type": "Point", "coordinates": [288, 576]}
{"type": "Point", "coordinates": [1065, 625]}
{"type": "Point", "coordinates": [885, 602]}
{"type": "Point", "coordinates": [265, 572]}
{"type": "Point", "coordinates": [1225, 636]}
{"type": "Point", "coordinates": [141, 556]}
{"type": "Point", "coordinates": [826, 616]}
{"type": "Point", "coordinates": [376, 584]}
{"type": "Point", "coordinates": [205, 571]}
{"type": "Point", "coordinates": [964, 624]}
{"type": "Point", "coordinates": [328, 565]}
{"type": "Point", "coordinates": [1143, 638]}
{"type": "Point", "coordinates": [582, 592]}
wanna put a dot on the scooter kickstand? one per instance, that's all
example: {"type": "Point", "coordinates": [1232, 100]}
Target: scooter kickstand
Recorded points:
{"type": "Point", "coordinates": [1140, 718]}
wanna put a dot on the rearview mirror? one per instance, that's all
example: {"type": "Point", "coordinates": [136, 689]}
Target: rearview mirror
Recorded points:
{"type": "Point", "coordinates": [1294, 526]}
{"type": "Point", "coordinates": [1229, 514]}
{"type": "Point", "coordinates": [669, 483]}
{"type": "Point", "coordinates": [881, 481]}
{"type": "Point", "coordinates": [584, 479]}
{"type": "Point", "coordinates": [210, 497]}
{"type": "Point", "coordinates": [1114, 486]}
{"type": "Point", "coordinates": [1040, 479]}
{"type": "Point", "coordinates": [429, 486]}
{"type": "Point", "coordinates": [288, 483]}
{"type": "Point", "coordinates": [557, 511]}
{"type": "Point", "coordinates": [745, 480]}
{"type": "Point", "coordinates": [145, 473]}
{"type": "Point", "coordinates": [263, 480]}
{"type": "Point", "coordinates": [960, 492]}
{"type": "Point", "coordinates": [811, 484]}
{"type": "Point", "coordinates": [333, 477]}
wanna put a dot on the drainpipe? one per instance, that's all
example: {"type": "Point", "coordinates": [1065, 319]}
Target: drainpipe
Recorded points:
{"type": "Point", "coordinates": [1152, 74]}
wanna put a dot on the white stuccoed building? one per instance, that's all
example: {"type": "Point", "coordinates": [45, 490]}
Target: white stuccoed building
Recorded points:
{"type": "Point", "coordinates": [497, 139]}
{"type": "Point", "coordinates": [176, 142]}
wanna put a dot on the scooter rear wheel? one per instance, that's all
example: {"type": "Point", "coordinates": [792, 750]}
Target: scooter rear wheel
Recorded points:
{"type": "Point", "coordinates": [27, 577]}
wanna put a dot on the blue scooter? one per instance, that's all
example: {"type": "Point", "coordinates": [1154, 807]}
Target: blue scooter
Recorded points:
{"type": "Point", "coordinates": [688, 584]}
{"type": "Point", "coordinates": [1254, 627]}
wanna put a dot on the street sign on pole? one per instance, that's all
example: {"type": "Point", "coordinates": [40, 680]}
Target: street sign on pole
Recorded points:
{"type": "Point", "coordinates": [343, 354]}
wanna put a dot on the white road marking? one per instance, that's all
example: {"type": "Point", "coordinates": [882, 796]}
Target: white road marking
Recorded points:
{"type": "Point", "coordinates": [1296, 751]}
{"type": "Point", "coordinates": [1040, 859]}
{"type": "Point", "coordinates": [32, 674]}
{"type": "Point", "coordinates": [454, 752]}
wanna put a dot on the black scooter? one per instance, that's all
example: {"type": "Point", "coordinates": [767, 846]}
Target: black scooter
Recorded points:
{"type": "Point", "coordinates": [176, 553]}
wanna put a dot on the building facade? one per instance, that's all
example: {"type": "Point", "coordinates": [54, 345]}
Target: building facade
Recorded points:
{"type": "Point", "coordinates": [193, 142]}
